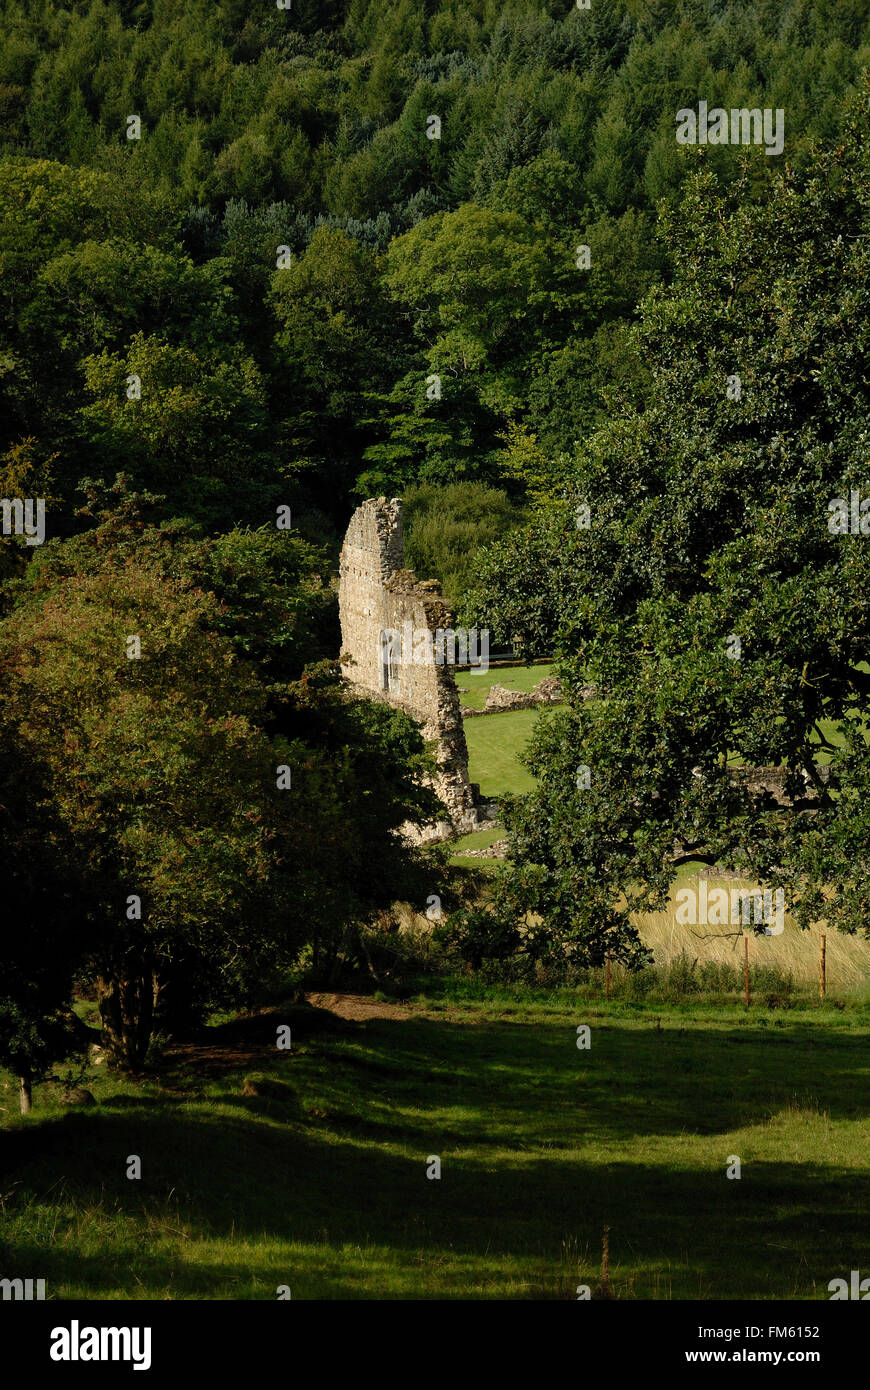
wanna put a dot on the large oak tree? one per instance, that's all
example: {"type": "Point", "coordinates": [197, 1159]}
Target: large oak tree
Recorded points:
{"type": "Point", "coordinates": [709, 592]}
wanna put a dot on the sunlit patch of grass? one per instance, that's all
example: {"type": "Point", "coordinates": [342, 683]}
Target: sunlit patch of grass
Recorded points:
{"type": "Point", "coordinates": [541, 1146]}
{"type": "Point", "coordinates": [476, 684]}
{"type": "Point", "coordinates": [794, 952]}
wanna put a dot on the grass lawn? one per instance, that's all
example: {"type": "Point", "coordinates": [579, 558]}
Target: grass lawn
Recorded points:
{"type": "Point", "coordinates": [479, 839]}
{"type": "Point", "coordinates": [495, 743]}
{"type": "Point", "coordinates": [475, 684]}
{"type": "Point", "coordinates": [322, 1185]}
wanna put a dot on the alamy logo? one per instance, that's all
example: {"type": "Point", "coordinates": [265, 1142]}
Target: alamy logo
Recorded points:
{"type": "Point", "coordinates": [849, 517]}
{"type": "Point", "coordinates": [721, 907]}
{"type": "Point", "coordinates": [24, 525]}
{"type": "Point", "coordinates": [76, 1343]}
{"type": "Point", "coordinates": [740, 126]}
{"type": "Point", "coordinates": [423, 646]}
{"type": "Point", "coordinates": [860, 1288]}
{"type": "Point", "coordinates": [22, 1289]}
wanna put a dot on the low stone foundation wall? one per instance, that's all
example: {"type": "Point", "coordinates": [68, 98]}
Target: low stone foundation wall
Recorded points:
{"type": "Point", "coordinates": [546, 692]}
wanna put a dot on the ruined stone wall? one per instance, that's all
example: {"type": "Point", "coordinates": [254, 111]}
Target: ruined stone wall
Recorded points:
{"type": "Point", "coordinates": [378, 596]}
{"type": "Point", "coordinates": [373, 549]}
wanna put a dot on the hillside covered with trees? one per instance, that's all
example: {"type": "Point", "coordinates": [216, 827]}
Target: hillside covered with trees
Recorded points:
{"type": "Point", "coordinates": [405, 257]}
{"type": "Point", "coordinates": [259, 263]}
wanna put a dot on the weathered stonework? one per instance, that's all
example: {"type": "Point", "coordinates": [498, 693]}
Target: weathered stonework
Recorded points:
{"type": "Point", "coordinates": [546, 692]}
{"type": "Point", "coordinates": [378, 596]}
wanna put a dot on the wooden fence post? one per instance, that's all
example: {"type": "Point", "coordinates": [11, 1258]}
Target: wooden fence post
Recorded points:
{"type": "Point", "coordinates": [607, 976]}
{"type": "Point", "coordinates": [823, 983]}
{"type": "Point", "coordinates": [746, 966]}
{"type": "Point", "coordinates": [605, 1285]}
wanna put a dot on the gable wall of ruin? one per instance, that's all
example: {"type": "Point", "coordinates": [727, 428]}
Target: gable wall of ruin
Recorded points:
{"type": "Point", "coordinates": [377, 595]}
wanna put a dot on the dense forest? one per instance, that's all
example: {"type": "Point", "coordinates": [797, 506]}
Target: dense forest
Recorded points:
{"type": "Point", "coordinates": [257, 264]}
{"type": "Point", "coordinates": [301, 136]}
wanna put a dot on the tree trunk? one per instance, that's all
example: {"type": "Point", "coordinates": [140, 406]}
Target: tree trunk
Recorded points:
{"type": "Point", "coordinates": [365, 951]}
{"type": "Point", "coordinates": [25, 1093]}
{"type": "Point", "coordinates": [177, 1010]}
{"type": "Point", "coordinates": [126, 1003]}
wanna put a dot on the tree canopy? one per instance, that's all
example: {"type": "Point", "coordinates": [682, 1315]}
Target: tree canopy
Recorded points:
{"type": "Point", "coordinates": [702, 565]}
{"type": "Point", "coordinates": [258, 264]}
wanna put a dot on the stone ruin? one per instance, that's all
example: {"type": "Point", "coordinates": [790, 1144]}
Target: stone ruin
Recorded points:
{"type": "Point", "coordinates": [499, 699]}
{"type": "Point", "coordinates": [378, 598]}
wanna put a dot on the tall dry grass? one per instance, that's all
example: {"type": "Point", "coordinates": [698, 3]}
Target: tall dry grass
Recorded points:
{"type": "Point", "coordinates": [794, 951]}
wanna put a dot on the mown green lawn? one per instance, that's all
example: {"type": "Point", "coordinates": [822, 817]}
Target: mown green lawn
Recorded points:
{"type": "Point", "coordinates": [495, 742]}
{"type": "Point", "coordinates": [323, 1187]}
{"type": "Point", "coordinates": [475, 684]}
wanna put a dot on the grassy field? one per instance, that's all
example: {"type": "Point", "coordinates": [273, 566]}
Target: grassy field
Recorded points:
{"type": "Point", "coordinates": [474, 685]}
{"type": "Point", "coordinates": [794, 951]}
{"type": "Point", "coordinates": [308, 1169]}
{"type": "Point", "coordinates": [495, 745]}
{"type": "Point", "coordinates": [495, 742]}
{"type": "Point", "coordinates": [480, 839]}
{"type": "Point", "coordinates": [321, 1184]}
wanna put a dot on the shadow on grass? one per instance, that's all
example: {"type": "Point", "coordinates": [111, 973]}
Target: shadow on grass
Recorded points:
{"type": "Point", "coordinates": [337, 1158]}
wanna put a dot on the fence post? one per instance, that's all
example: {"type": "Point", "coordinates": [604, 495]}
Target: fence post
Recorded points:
{"type": "Point", "coordinates": [823, 983]}
{"type": "Point", "coordinates": [607, 976]}
{"type": "Point", "coordinates": [746, 966]}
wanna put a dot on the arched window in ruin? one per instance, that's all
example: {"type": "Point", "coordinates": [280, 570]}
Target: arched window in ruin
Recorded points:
{"type": "Point", "coordinates": [390, 661]}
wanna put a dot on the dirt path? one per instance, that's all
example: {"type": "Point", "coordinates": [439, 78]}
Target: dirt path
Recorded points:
{"type": "Point", "coordinates": [358, 1007]}
{"type": "Point", "coordinates": [249, 1041]}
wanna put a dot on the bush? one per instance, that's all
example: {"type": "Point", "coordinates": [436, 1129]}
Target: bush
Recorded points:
{"type": "Point", "coordinates": [677, 981]}
{"type": "Point", "coordinates": [445, 527]}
